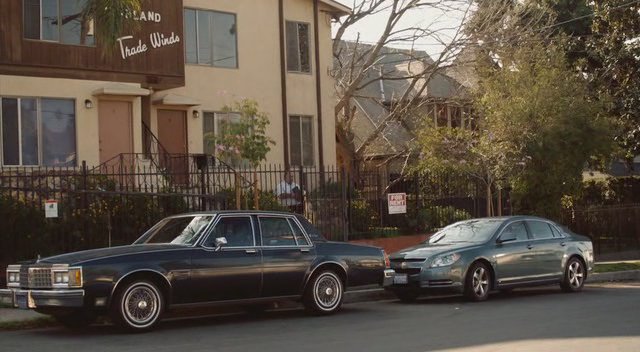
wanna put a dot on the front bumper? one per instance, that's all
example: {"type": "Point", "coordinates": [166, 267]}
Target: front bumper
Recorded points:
{"type": "Point", "coordinates": [430, 280]}
{"type": "Point", "coordinates": [30, 299]}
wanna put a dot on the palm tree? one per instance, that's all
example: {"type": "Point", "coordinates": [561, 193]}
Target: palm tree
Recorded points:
{"type": "Point", "coordinates": [111, 18]}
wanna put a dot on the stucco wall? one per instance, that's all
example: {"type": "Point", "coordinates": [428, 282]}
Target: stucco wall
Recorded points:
{"type": "Point", "coordinates": [87, 140]}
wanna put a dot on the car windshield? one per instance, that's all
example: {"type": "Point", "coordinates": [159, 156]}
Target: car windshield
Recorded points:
{"type": "Point", "coordinates": [474, 231]}
{"type": "Point", "coordinates": [181, 230]}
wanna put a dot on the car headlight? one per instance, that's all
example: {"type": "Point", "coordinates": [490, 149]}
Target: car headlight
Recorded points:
{"type": "Point", "coordinates": [13, 276]}
{"type": "Point", "coordinates": [445, 260]}
{"type": "Point", "coordinates": [65, 278]}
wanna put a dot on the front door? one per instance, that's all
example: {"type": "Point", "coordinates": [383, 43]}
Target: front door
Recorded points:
{"type": "Point", "coordinates": [115, 122]}
{"type": "Point", "coordinates": [172, 133]}
{"type": "Point", "coordinates": [232, 271]}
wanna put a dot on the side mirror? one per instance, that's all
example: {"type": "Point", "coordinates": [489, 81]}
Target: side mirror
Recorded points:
{"type": "Point", "coordinates": [220, 241]}
{"type": "Point", "coordinates": [506, 237]}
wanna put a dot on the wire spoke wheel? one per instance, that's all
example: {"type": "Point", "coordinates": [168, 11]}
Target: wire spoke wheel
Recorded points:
{"type": "Point", "coordinates": [140, 305]}
{"type": "Point", "coordinates": [324, 293]}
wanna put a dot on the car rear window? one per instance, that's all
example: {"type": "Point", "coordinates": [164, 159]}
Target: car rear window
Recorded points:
{"type": "Point", "coordinates": [313, 233]}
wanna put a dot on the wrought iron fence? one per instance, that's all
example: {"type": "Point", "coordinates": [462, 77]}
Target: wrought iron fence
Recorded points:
{"type": "Point", "coordinates": [112, 204]}
{"type": "Point", "coordinates": [613, 229]}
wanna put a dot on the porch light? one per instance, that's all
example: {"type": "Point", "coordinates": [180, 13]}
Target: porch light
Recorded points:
{"type": "Point", "coordinates": [196, 114]}
{"type": "Point", "coordinates": [88, 103]}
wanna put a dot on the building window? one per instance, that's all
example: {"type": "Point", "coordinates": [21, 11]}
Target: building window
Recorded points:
{"type": "Point", "coordinates": [38, 132]}
{"type": "Point", "coordinates": [298, 59]}
{"type": "Point", "coordinates": [211, 38]}
{"type": "Point", "coordinates": [301, 140]}
{"type": "Point", "coordinates": [216, 124]}
{"type": "Point", "coordinates": [58, 21]}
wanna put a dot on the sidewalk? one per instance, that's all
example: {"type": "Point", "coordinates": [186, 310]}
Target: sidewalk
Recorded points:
{"type": "Point", "coordinates": [9, 316]}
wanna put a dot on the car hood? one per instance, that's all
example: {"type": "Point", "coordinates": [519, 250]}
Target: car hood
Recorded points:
{"type": "Point", "coordinates": [92, 254]}
{"type": "Point", "coordinates": [425, 250]}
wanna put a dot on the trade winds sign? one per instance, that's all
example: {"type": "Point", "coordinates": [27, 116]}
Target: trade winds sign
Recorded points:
{"type": "Point", "coordinates": [129, 47]}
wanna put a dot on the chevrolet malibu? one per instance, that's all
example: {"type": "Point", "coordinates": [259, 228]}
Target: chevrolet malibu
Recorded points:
{"type": "Point", "coordinates": [474, 257]}
{"type": "Point", "coordinates": [192, 260]}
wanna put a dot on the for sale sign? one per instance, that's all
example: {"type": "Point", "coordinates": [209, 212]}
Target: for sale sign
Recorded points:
{"type": "Point", "coordinates": [397, 203]}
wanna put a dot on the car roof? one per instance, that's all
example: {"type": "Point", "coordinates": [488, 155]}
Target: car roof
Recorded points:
{"type": "Point", "coordinates": [216, 212]}
{"type": "Point", "coordinates": [512, 217]}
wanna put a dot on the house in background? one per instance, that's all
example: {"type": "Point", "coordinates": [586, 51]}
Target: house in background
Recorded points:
{"type": "Point", "coordinates": [444, 102]}
{"type": "Point", "coordinates": [63, 100]}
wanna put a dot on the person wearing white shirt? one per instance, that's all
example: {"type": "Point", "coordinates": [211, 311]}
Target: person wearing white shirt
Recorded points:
{"type": "Point", "coordinates": [289, 193]}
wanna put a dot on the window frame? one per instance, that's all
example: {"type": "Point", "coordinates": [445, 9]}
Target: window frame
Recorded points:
{"type": "Point", "coordinates": [287, 219]}
{"type": "Point", "coordinates": [209, 232]}
{"type": "Point", "coordinates": [298, 51]}
{"type": "Point", "coordinates": [39, 123]}
{"type": "Point", "coordinates": [531, 233]}
{"type": "Point", "coordinates": [526, 228]}
{"type": "Point", "coordinates": [59, 41]}
{"type": "Point", "coordinates": [313, 140]}
{"type": "Point", "coordinates": [197, 34]}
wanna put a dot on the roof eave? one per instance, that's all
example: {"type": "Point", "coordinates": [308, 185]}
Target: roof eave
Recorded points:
{"type": "Point", "coordinates": [339, 9]}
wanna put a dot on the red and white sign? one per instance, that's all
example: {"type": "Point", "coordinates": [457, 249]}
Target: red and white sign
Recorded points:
{"type": "Point", "coordinates": [51, 208]}
{"type": "Point", "coordinates": [397, 203]}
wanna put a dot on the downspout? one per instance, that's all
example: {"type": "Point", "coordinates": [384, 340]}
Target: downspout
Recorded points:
{"type": "Point", "coordinates": [316, 38]}
{"type": "Point", "coordinates": [283, 84]}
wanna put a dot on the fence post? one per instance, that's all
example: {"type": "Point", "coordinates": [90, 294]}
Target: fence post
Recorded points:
{"type": "Point", "coordinates": [416, 190]}
{"type": "Point", "coordinates": [346, 195]}
{"type": "Point", "coordinates": [379, 197]}
{"type": "Point", "coordinates": [83, 184]}
{"type": "Point", "coordinates": [237, 189]}
{"type": "Point", "coordinates": [303, 186]}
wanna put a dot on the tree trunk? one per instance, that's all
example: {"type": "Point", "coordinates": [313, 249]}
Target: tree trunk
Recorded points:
{"type": "Point", "coordinates": [489, 200]}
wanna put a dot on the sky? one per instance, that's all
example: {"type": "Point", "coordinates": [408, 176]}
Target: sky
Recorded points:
{"type": "Point", "coordinates": [444, 21]}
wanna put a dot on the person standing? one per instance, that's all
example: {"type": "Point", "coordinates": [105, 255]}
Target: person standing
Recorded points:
{"type": "Point", "coordinates": [289, 193]}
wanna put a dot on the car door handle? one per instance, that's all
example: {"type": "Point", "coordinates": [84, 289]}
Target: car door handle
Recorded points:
{"type": "Point", "coordinates": [529, 246]}
{"type": "Point", "coordinates": [304, 250]}
{"type": "Point", "coordinates": [563, 244]}
{"type": "Point", "coordinates": [250, 251]}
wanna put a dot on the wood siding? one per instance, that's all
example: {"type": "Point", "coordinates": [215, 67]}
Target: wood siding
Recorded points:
{"type": "Point", "coordinates": [158, 68]}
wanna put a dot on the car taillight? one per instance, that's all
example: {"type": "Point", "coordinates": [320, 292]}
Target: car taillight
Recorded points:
{"type": "Point", "coordinates": [387, 263]}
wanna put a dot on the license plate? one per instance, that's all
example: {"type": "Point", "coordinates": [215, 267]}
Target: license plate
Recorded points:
{"type": "Point", "coordinates": [400, 279]}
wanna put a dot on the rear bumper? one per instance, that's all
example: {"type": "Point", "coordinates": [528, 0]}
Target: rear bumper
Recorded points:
{"type": "Point", "coordinates": [30, 299]}
{"type": "Point", "coordinates": [388, 277]}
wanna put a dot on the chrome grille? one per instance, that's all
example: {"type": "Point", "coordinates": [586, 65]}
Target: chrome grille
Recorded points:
{"type": "Point", "coordinates": [39, 278]}
{"type": "Point", "coordinates": [24, 276]}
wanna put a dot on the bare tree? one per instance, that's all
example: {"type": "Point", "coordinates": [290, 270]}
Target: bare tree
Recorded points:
{"type": "Point", "coordinates": [361, 65]}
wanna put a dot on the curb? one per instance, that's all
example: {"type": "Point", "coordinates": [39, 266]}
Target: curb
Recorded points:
{"type": "Point", "coordinates": [379, 294]}
{"type": "Point", "coordinates": [627, 275]}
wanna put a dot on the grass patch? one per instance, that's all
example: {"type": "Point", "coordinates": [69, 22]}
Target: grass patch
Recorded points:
{"type": "Point", "coordinates": [607, 268]}
{"type": "Point", "coordinates": [35, 323]}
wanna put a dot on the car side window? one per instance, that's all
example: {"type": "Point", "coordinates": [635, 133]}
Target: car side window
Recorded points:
{"type": "Point", "coordinates": [540, 230]}
{"type": "Point", "coordinates": [518, 230]}
{"type": "Point", "coordinates": [302, 241]}
{"type": "Point", "coordinates": [237, 231]}
{"type": "Point", "coordinates": [556, 233]}
{"type": "Point", "coordinates": [276, 232]}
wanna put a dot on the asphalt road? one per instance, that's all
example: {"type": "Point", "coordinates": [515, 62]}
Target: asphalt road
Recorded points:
{"type": "Point", "coordinates": [602, 318]}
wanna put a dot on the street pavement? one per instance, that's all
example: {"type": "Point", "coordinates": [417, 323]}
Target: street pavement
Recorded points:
{"type": "Point", "coordinates": [604, 317]}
